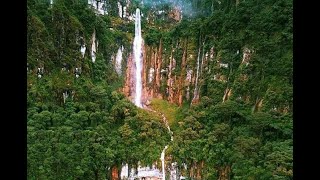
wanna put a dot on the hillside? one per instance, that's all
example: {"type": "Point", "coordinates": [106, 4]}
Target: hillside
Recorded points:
{"type": "Point", "coordinates": [220, 72]}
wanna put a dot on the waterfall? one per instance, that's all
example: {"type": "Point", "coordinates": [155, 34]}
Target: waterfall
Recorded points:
{"type": "Point", "coordinates": [165, 148]}
{"type": "Point", "coordinates": [83, 50]}
{"type": "Point", "coordinates": [124, 12]}
{"type": "Point", "coordinates": [137, 53]}
{"type": "Point", "coordinates": [120, 9]}
{"type": "Point", "coordinates": [99, 6]}
{"type": "Point", "coordinates": [65, 96]}
{"type": "Point", "coordinates": [162, 161]}
{"type": "Point", "coordinates": [195, 93]}
{"type": "Point", "coordinates": [119, 60]}
{"type": "Point", "coordinates": [136, 77]}
{"type": "Point", "coordinates": [93, 47]}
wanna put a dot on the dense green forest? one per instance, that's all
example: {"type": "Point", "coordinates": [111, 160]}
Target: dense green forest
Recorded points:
{"type": "Point", "coordinates": [81, 125]}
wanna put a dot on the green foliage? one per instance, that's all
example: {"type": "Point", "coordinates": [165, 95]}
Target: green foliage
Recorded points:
{"type": "Point", "coordinates": [171, 111]}
{"type": "Point", "coordinates": [152, 37]}
{"type": "Point", "coordinates": [90, 131]}
{"type": "Point", "coordinates": [77, 141]}
{"type": "Point", "coordinates": [96, 127]}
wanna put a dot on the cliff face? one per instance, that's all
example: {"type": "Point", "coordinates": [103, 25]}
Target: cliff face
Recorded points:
{"type": "Point", "coordinates": [224, 64]}
{"type": "Point", "coordinates": [184, 60]}
{"type": "Point", "coordinates": [159, 80]}
{"type": "Point", "coordinates": [182, 68]}
{"type": "Point", "coordinates": [163, 77]}
{"type": "Point", "coordinates": [129, 77]}
{"type": "Point", "coordinates": [180, 71]}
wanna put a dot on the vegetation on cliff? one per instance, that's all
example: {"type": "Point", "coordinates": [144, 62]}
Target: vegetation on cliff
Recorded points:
{"type": "Point", "coordinates": [231, 120]}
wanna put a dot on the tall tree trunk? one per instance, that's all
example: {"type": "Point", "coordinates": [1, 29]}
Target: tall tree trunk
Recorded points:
{"type": "Point", "coordinates": [190, 168]}
{"type": "Point", "coordinates": [200, 166]}
{"type": "Point", "coordinates": [224, 173]}
{"type": "Point", "coordinates": [198, 177]}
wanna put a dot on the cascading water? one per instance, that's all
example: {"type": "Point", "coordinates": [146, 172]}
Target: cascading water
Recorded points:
{"type": "Point", "coordinates": [166, 147]}
{"type": "Point", "coordinates": [120, 9]}
{"type": "Point", "coordinates": [137, 54]}
{"type": "Point", "coordinates": [124, 14]}
{"type": "Point", "coordinates": [65, 96]}
{"type": "Point", "coordinates": [137, 86]}
{"type": "Point", "coordinates": [93, 47]}
{"type": "Point", "coordinates": [195, 93]}
{"type": "Point", "coordinates": [83, 50]}
{"type": "Point", "coordinates": [119, 60]}
{"type": "Point", "coordinates": [162, 162]}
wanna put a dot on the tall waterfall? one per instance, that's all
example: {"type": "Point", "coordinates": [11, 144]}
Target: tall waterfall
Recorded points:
{"type": "Point", "coordinates": [134, 82]}
{"type": "Point", "coordinates": [137, 54]}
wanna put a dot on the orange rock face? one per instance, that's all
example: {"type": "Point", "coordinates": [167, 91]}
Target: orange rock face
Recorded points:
{"type": "Point", "coordinates": [115, 173]}
{"type": "Point", "coordinates": [128, 88]}
{"type": "Point", "coordinates": [159, 79]}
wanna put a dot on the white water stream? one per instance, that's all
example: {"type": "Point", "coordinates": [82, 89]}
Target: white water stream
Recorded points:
{"type": "Point", "coordinates": [137, 53]}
